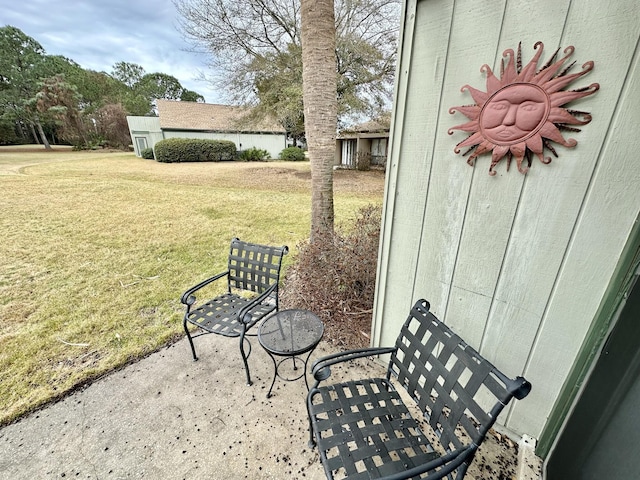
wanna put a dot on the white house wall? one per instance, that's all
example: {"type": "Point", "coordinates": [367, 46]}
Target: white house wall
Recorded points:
{"type": "Point", "coordinates": [146, 127]}
{"type": "Point", "coordinates": [517, 264]}
{"type": "Point", "coordinates": [273, 143]}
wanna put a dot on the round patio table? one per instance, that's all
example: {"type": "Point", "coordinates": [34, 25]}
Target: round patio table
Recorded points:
{"type": "Point", "coordinates": [290, 334]}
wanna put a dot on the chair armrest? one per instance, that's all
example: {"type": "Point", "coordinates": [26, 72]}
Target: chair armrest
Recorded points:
{"type": "Point", "coordinates": [321, 368]}
{"type": "Point", "coordinates": [244, 312]}
{"type": "Point", "coordinates": [188, 297]}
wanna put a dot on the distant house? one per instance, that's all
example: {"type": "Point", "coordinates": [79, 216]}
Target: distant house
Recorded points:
{"type": "Point", "coordinates": [208, 121]}
{"type": "Point", "coordinates": [367, 142]}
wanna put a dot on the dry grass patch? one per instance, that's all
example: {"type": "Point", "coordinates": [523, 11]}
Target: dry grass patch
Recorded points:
{"type": "Point", "coordinates": [96, 248]}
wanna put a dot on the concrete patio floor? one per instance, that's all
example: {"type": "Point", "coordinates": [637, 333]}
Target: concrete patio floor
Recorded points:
{"type": "Point", "coordinates": [167, 417]}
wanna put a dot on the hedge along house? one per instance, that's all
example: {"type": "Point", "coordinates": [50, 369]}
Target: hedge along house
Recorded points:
{"type": "Point", "coordinates": [363, 146]}
{"type": "Point", "coordinates": [208, 121]}
{"type": "Point", "coordinates": [536, 270]}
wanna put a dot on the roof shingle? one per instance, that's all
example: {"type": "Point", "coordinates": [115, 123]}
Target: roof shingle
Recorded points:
{"type": "Point", "coordinates": [176, 115]}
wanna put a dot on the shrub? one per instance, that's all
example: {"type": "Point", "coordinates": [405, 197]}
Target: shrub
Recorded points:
{"type": "Point", "coordinates": [111, 124]}
{"type": "Point", "coordinates": [335, 278]}
{"type": "Point", "coordinates": [88, 144]}
{"type": "Point", "coordinates": [147, 153]}
{"type": "Point", "coordinates": [194, 150]}
{"type": "Point", "coordinates": [254, 155]}
{"type": "Point", "coordinates": [293, 154]}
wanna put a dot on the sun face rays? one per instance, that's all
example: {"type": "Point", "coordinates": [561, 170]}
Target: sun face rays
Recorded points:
{"type": "Point", "coordinates": [520, 113]}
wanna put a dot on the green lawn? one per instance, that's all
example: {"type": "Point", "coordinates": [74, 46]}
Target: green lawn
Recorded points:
{"type": "Point", "coordinates": [97, 247]}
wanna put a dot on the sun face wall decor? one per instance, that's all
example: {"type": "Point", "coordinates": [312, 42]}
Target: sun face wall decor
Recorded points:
{"type": "Point", "coordinates": [521, 112]}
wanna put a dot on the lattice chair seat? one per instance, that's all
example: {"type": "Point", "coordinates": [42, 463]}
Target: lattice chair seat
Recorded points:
{"type": "Point", "coordinates": [364, 429]}
{"type": "Point", "coordinates": [252, 279]}
{"type": "Point", "coordinates": [220, 315]}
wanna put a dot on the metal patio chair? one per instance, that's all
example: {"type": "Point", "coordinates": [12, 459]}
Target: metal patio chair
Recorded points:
{"type": "Point", "coordinates": [252, 279]}
{"type": "Point", "coordinates": [364, 429]}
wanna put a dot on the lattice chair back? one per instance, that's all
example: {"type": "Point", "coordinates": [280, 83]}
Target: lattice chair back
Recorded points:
{"type": "Point", "coordinates": [254, 267]}
{"type": "Point", "coordinates": [459, 392]}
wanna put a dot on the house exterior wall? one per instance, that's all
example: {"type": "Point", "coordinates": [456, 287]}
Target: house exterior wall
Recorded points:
{"type": "Point", "coordinates": [147, 128]}
{"type": "Point", "coordinates": [364, 153]}
{"type": "Point", "coordinates": [517, 264]}
{"type": "Point", "coordinates": [274, 143]}
{"type": "Point", "coordinates": [379, 151]}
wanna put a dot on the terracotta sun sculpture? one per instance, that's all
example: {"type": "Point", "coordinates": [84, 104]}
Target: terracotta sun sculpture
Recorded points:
{"type": "Point", "coordinates": [521, 112]}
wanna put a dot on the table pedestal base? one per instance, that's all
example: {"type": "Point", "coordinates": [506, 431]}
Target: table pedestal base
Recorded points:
{"type": "Point", "coordinates": [276, 366]}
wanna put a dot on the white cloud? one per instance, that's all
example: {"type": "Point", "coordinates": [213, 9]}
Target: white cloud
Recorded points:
{"type": "Point", "coordinates": [98, 34]}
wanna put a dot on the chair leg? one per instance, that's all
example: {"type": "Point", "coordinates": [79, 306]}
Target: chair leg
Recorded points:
{"type": "Point", "coordinates": [245, 356]}
{"type": "Point", "coordinates": [312, 440]}
{"type": "Point", "coordinates": [186, 329]}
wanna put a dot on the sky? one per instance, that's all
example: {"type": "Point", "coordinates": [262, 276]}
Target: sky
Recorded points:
{"type": "Point", "coordinates": [96, 34]}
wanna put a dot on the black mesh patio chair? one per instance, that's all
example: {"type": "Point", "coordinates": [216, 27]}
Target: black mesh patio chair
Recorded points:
{"type": "Point", "coordinates": [252, 280]}
{"type": "Point", "coordinates": [364, 429]}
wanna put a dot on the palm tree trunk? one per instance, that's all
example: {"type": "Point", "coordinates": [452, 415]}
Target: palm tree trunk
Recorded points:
{"type": "Point", "coordinates": [319, 79]}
